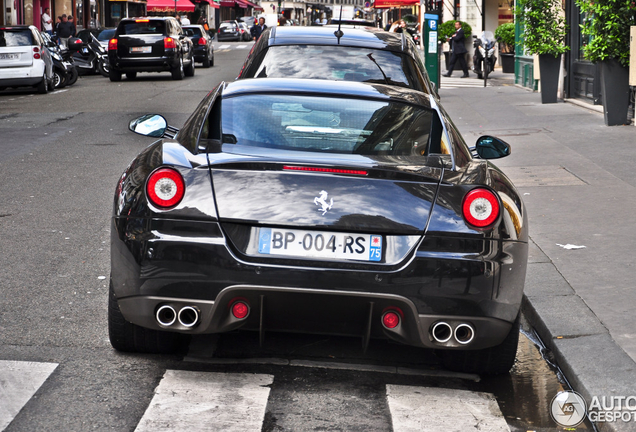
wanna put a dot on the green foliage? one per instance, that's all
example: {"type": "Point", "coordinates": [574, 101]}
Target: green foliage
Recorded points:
{"type": "Point", "coordinates": [505, 34]}
{"type": "Point", "coordinates": [447, 29]}
{"type": "Point", "coordinates": [607, 25]}
{"type": "Point", "coordinates": [544, 26]}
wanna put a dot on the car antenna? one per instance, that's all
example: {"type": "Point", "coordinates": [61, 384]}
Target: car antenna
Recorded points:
{"type": "Point", "coordinates": [338, 33]}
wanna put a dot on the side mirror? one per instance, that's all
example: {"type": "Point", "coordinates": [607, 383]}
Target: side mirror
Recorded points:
{"type": "Point", "coordinates": [152, 125]}
{"type": "Point", "coordinates": [489, 147]}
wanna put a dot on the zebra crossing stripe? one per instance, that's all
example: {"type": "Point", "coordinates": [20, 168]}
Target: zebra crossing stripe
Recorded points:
{"type": "Point", "coordinates": [223, 47]}
{"type": "Point", "coordinates": [424, 409]}
{"type": "Point", "coordinates": [19, 380]}
{"type": "Point", "coordinates": [205, 401]}
{"type": "Point", "coordinates": [241, 46]}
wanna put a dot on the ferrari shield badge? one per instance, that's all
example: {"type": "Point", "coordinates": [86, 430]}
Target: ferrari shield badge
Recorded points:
{"type": "Point", "coordinates": [322, 202]}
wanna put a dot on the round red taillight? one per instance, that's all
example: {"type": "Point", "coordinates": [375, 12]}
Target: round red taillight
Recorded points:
{"type": "Point", "coordinates": [391, 320]}
{"type": "Point", "coordinates": [480, 208]}
{"type": "Point", "coordinates": [240, 310]}
{"type": "Point", "coordinates": [165, 187]}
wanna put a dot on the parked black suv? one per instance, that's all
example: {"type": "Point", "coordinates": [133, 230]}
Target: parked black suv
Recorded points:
{"type": "Point", "coordinates": [150, 44]}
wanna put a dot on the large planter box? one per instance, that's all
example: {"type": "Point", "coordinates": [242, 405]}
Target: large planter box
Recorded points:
{"type": "Point", "coordinates": [615, 91]}
{"type": "Point", "coordinates": [507, 62]}
{"type": "Point", "coordinates": [549, 66]}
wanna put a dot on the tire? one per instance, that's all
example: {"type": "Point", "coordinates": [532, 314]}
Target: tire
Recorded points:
{"type": "Point", "coordinates": [43, 87]}
{"type": "Point", "coordinates": [212, 61]}
{"type": "Point", "coordinates": [102, 69]}
{"type": "Point", "coordinates": [128, 337]}
{"type": "Point", "coordinates": [59, 81]}
{"type": "Point", "coordinates": [206, 61]}
{"type": "Point", "coordinates": [177, 72]}
{"type": "Point", "coordinates": [189, 71]}
{"type": "Point", "coordinates": [114, 75]}
{"type": "Point", "coordinates": [490, 361]}
{"type": "Point", "coordinates": [131, 75]}
{"type": "Point", "coordinates": [72, 79]}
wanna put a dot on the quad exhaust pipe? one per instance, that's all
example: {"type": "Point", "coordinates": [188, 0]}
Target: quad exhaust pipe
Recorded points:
{"type": "Point", "coordinates": [442, 332]}
{"type": "Point", "coordinates": [188, 316]}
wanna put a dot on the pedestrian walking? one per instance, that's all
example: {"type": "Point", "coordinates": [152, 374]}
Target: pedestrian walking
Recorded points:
{"type": "Point", "coordinates": [64, 31]}
{"type": "Point", "coordinates": [258, 29]}
{"type": "Point", "coordinates": [458, 51]}
{"type": "Point", "coordinates": [47, 22]}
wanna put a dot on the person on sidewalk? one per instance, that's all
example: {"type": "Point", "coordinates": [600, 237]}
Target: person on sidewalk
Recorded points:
{"type": "Point", "coordinates": [47, 22]}
{"type": "Point", "coordinates": [65, 31]}
{"type": "Point", "coordinates": [458, 51]}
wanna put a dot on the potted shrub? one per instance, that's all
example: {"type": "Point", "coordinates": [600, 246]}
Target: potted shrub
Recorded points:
{"type": "Point", "coordinates": [505, 35]}
{"type": "Point", "coordinates": [544, 34]}
{"type": "Point", "coordinates": [608, 23]}
{"type": "Point", "coordinates": [446, 30]}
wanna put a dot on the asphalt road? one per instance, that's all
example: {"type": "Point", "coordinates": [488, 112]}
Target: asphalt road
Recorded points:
{"type": "Point", "coordinates": [61, 155]}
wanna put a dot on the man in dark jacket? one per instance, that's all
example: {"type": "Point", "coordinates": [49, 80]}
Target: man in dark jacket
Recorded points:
{"type": "Point", "coordinates": [65, 31]}
{"type": "Point", "coordinates": [458, 51]}
{"type": "Point", "coordinates": [259, 28]}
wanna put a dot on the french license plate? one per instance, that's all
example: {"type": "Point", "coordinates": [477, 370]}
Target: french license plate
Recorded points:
{"type": "Point", "coordinates": [141, 49]}
{"type": "Point", "coordinates": [9, 56]}
{"type": "Point", "coordinates": [317, 244]}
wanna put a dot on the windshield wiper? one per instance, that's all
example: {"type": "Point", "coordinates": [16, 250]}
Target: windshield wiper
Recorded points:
{"type": "Point", "coordinates": [386, 79]}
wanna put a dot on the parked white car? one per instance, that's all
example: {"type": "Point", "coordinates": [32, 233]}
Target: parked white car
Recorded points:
{"type": "Point", "coordinates": [24, 59]}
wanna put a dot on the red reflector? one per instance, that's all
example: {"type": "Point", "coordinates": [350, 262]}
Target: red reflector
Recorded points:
{"type": "Point", "coordinates": [391, 320]}
{"type": "Point", "coordinates": [240, 310]}
{"type": "Point", "coordinates": [165, 188]}
{"type": "Point", "coordinates": [112, 45]}
{"type": "Point", "coordinates": [480, 208]}
{"type": "Point", "coordinates": [36, 56]}
{"type": "Point", "coordinates": [325, 170]}
{"type": "Point", "coordinates": [168, 43]}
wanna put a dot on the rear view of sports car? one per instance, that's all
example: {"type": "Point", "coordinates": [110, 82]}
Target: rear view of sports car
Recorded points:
{"type": "Point", "coordinates": [320, 207]}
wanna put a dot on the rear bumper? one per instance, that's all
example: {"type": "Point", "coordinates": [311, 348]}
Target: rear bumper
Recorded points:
{"type": "Point", "coordinates": [231, 37]}
{"type": "Point", "coordinates": [147, 64]}
{"type": "Point", "coordinates": [22, 76]}
{"type": "Point", "coordinates": [20, 82]}
{"type": "Point", "coordinates": [153, 265]}
{"type": "Point", "coordinates": [314, 311]}
{"type": "Point", "coordinates": [200, 54]}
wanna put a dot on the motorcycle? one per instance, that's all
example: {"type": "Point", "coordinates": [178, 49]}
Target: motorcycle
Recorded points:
{"type": "Point", "coordinates": [64, 71]}
{"type": "Point", "coordinates": [484, 58]}
{"type": "Point", "coordinates": [89, 58]}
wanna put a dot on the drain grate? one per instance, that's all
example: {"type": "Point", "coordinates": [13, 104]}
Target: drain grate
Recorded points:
{"type": "Point", "coordinates": [547, 175]}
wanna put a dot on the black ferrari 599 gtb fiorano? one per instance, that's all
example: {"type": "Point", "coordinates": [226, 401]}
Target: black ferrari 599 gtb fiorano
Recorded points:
{"type": "Point", "coordinates": [320, 207]}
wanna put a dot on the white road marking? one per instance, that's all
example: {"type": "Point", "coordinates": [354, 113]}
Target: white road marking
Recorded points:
{"type": "Point", "coordinates": [424, 409]}
{"type": "Point", "coordinates": [204, 401]}
{"type": "Point", "coordinates": [241, 46]}
{"type": "Point", "coordinates": [224, 47]}
{"type": "Point", "coordinates": [19, 381]}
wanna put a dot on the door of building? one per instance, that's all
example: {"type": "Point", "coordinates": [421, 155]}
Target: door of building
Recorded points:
{"type": "Point", "coordinates": [583, 77]}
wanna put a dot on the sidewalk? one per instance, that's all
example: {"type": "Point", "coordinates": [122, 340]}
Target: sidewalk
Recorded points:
{"type": "Point", "coordinates": [578, 181]}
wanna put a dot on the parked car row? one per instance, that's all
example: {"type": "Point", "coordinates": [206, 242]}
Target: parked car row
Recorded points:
{"type": "Point", "coordinates": [324, 191]}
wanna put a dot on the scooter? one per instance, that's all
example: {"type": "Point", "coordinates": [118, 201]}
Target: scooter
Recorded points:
{"type": "Point", "coordinates": [484, 58]}
{"type": "Point", "coordinates": [64, 71]}
{"type": "Point", "coordinates": [89, 58]}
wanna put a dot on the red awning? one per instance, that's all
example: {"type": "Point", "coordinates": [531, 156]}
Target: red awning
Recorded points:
{"type": "Point", "coordinates": [168, 6]}
{"type": "Point", "coordinates": [253, 5]}
{"type": "Point", "coordinates": [238, 3]}
{"type": "Point", "coordinates": [387, 4]}
{"type": "Point", "coordinates": [214, 5]}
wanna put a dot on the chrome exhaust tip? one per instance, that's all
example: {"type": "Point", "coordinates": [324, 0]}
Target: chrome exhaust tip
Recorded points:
{"type": "Point", "coordinates": [166, 315]}
{"type": "Point", "coordinates": [442, 332]}
{"type": "Point", "coordinates": [188, 316]}
{"type": "Point", "coordinates": [464, 333]}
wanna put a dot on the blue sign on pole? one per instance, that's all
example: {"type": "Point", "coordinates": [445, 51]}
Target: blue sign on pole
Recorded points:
{"type": "Point", "coordinates": [433, 24]}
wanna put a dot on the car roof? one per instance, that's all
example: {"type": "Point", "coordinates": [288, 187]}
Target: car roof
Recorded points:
{"type": "Point", "coordinates": [368, 37]}
{"type": "Point", "coordinates": [320, 87]}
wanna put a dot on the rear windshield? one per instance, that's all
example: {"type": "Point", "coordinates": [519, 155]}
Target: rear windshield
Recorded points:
{"type": "Point", "coordinates": [329, 124]}
{"type": "Point", "coordinates": [13, 38]}
{"type": "Point", "coordinates": [228, 25]}
{"type": "Point", "coordinates": [142, 27]}
{"type": "Point", "coordinates": [194, 31]}
{"type": "Point", "coordinates": [339, 63]}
